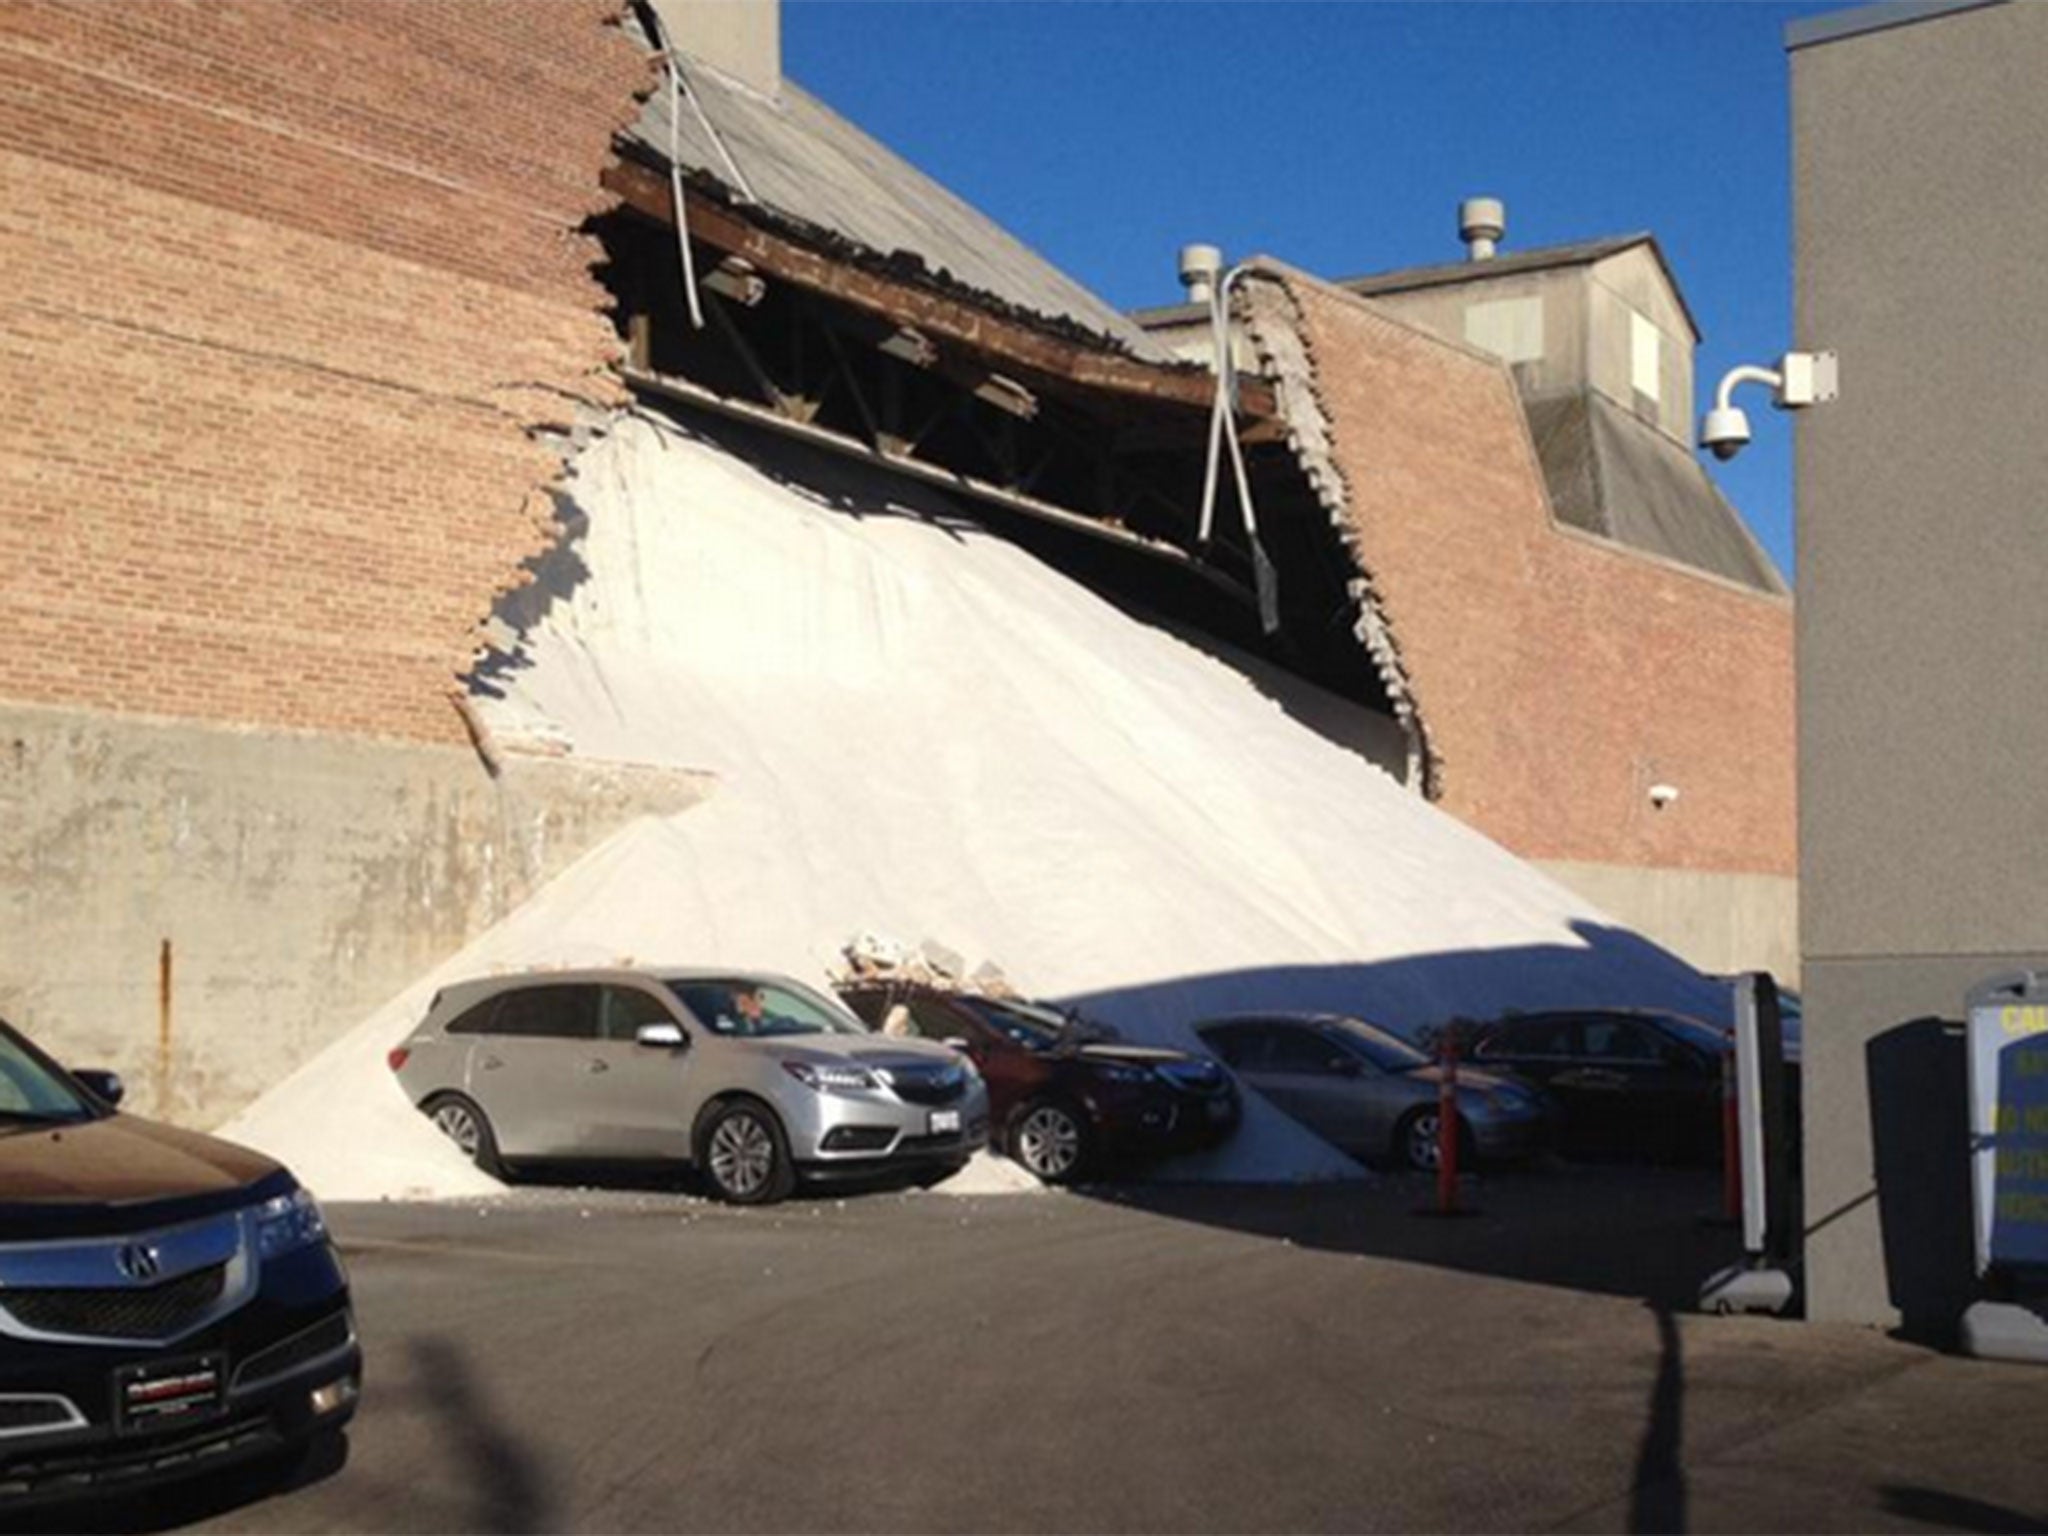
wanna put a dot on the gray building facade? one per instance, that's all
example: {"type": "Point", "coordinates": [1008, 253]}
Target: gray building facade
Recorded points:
{"type": "Point", "coordinates": [1920, 159]}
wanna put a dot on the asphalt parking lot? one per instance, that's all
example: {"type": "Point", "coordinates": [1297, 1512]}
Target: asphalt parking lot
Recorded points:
{"type": "Point", "coordinates": [1312, 1358]}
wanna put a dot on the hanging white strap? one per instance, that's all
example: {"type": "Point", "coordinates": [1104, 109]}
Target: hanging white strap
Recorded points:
{"type": "Point", "coordinates": [1223, 430]}
{"type": "Point", "coordinates": [675, 187]}
{"type": "Point", "coordinates": [736, 177]}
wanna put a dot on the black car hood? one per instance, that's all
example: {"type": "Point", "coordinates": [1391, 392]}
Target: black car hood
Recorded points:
{"type": "Point", "coordinates": [120, 1173]}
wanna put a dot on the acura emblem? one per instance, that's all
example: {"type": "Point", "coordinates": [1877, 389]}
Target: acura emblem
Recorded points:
{"type": "Point", "coordinates": [138, 1261]}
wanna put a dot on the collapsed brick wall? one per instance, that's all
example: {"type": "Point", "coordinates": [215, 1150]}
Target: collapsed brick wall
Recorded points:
{"type": "Point", "coordinates": [294, 294]}
{"type": "Point", "coordinates": [1559, 676]}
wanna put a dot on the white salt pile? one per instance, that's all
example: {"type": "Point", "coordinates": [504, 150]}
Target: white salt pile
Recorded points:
{"type": "Point", "coordinates": [920, 729]}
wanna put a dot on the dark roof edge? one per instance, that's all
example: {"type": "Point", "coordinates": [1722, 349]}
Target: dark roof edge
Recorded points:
{"type": "Point", "coordinates": [1885, 14]}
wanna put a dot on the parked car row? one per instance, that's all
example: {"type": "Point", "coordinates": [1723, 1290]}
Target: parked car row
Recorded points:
{"type": "Point", "coordinates": [761, 1082]}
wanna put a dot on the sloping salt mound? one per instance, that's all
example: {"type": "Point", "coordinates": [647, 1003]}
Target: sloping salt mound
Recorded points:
{"type": "Point", "coordinates": [921, 729]}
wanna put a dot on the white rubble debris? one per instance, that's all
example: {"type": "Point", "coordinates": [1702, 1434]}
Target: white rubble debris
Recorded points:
{"type": "Point", "coordinates": [920, 728]}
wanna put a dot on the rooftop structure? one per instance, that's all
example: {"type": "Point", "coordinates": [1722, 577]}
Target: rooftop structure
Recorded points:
{"type": "Point", "coordinates": [1601, 344]}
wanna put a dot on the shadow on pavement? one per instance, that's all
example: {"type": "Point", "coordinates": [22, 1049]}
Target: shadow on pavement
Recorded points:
{"type": "Point", "coordinates": [510, 1491]}
{"type": "Point", "coordinates": [1657, 1503]}
{"type": "Point", "coordinates": [1953, 1512]}
{"type": "Point", "coordinates": [1613, 1229]}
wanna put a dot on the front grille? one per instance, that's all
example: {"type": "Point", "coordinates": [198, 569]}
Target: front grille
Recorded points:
{"type": "Point", "coordinates": [314, 1343]}
{"type": "Point", "coordinates": [928, 1085]}
{"type": "Point", "coordinates": [158, 1312]}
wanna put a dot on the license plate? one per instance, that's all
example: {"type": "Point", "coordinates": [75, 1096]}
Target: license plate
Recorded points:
{"type": "Point", "coordinates": [161, 1393]}
{"type": "Point", "coordinates": [945, 1122]}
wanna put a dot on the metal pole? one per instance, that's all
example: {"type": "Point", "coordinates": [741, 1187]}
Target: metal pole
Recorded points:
{"type": "Point", "coordinates": [1731, 1143]}
{"type": "Point", "coordinates": [1447, 1128]}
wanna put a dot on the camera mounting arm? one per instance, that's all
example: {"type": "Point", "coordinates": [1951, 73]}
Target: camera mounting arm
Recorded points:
{"type": "Point", "coordinates": [1800, 379]}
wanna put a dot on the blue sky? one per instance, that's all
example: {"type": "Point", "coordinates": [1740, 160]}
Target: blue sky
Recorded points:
{"type": "Point", "coordinates": [1340, 137]}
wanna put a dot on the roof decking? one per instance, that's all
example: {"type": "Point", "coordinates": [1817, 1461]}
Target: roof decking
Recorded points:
{"type": "Point", "coordinates": [813, 172]}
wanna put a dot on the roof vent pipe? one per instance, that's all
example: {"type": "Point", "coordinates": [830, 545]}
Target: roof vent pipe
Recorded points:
{"type": "Point", "coordinates": [1481, 223]}
{"type": "Point", "coordinates": [1200, 265]}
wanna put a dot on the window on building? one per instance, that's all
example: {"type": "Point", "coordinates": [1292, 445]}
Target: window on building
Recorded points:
{"type": "Point", "coordinates": [1646, 359]}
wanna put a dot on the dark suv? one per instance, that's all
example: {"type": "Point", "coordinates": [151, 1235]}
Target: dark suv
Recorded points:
{"type": "Point", "coordinates": [1064, 1097]}
{"type": "Point", "coordinates": [169, 1303]}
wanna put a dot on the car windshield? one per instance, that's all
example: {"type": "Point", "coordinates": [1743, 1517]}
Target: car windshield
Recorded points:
{"type": "Point", "coordinates": [30, 1093]}
{"type": "Point", "coordinates": [1034, 1028]}
{"type": "Point", "coordinates": [745, 1007]}
{"type": "Point", "coordinates": [1387, 1051]}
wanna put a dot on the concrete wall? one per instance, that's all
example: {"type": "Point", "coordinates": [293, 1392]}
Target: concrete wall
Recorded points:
{"type": "Point", "coordinates": [299, 880]}
{"type": "Point", "coordinates": [1922, 545]}
{"type": "Point", "coordinates": [1720, 922]}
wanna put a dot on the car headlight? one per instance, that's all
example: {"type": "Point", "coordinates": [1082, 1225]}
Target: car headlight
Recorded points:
{"type": "Point", "coordinates": [288, 1222]}
{"type": "Point", "coordinates": [1117, 1072]}
{"type": "Point", "coordinates": [830, 1077]}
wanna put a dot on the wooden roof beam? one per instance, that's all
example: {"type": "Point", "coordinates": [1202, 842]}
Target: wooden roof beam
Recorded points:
{"type": "Point", "coordinates": [1017, 346]}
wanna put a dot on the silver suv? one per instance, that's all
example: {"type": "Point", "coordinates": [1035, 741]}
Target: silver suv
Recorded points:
{"type": "Point", "coordinates": [754, 1078]}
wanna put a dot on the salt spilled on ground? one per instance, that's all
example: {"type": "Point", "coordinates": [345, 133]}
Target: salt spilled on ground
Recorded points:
{"type": "Point", "coordinates": [921, 730]}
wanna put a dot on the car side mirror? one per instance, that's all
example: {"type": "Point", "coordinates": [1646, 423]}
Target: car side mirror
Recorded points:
{"type": "Point", "coordinates": [959, 1043]}
{"type": "Point", "coordinates": [661, 1036]}
{"type": "Point", "coordinates": [105, 1086]}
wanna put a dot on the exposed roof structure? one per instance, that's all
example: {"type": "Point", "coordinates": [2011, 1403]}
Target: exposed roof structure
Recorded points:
{"type": "Point", "coordinates": [1442, 274]}
{"type": "Point", "coordinates": [812, 172]}
{"type": "Point", "coordinates": [1613, 475]}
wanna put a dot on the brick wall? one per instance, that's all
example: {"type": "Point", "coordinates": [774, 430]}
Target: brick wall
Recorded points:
{"type": "Point", "coordinates": [289, 289]}
{"type": "Point", "coordinates": [1559, 675]}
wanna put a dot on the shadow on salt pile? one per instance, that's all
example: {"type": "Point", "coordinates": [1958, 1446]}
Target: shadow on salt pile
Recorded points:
{"type": "Point", "coordinates": [1618, 1230]}
{"type": "Point", "coordinates": [1610, 967]}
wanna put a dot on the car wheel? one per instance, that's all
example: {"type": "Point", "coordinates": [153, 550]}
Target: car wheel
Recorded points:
{"type": "Point", "coordinates": [744, 1156]}
{"type": "Point", "coordinates": [1050, 1140]}
{"type": "Point", "coordinates": [1416, 1141]}
{"type": "Point", "coordinates": [465, 1124]}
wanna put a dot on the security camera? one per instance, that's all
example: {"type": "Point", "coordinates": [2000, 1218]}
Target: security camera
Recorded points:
{"type": "Point", "coordinates": [1725, 432]}
{"type": "Point", "coordinates": [1800, 379]}
{"type": "Point", "coordinates": [1662, 795]}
